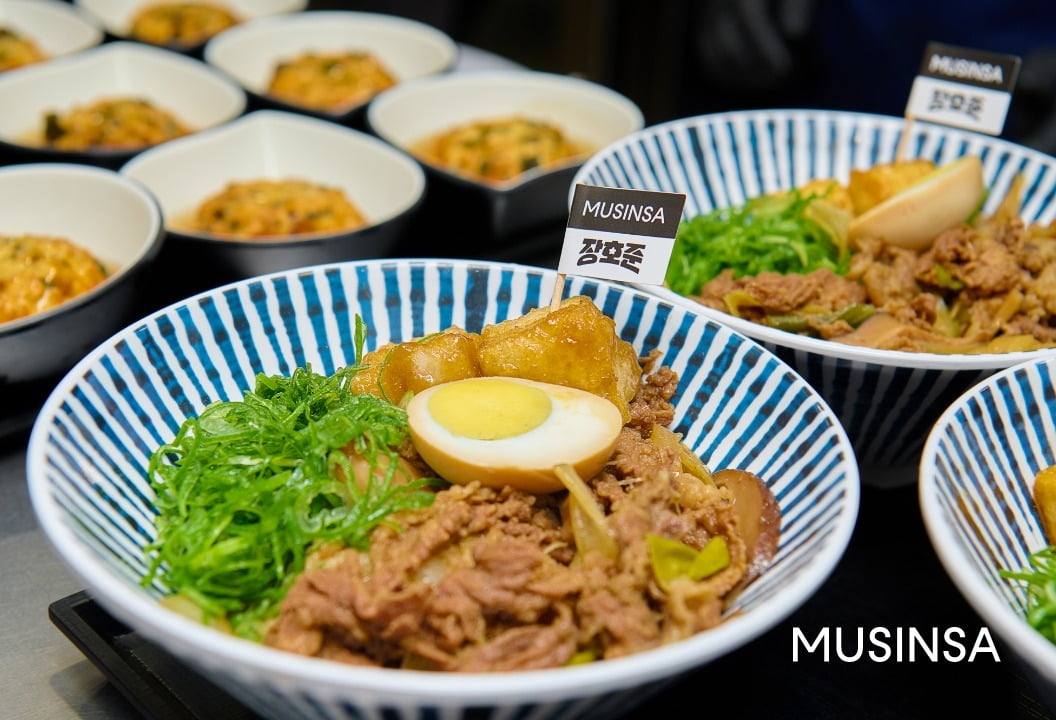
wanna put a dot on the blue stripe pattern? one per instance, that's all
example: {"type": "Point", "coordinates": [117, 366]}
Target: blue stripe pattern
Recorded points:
{"type": "Point", "coordinates": [737, 405]}
{"type": "Point", "coordinates": [723, 159]}
{"type": "Point", "coordinates": [977, 476]}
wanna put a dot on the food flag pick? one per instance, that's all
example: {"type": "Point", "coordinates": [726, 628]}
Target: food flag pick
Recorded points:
{"type": "Point", "coordinates": [619, 234]}
{"type": "Point", "coordinates": [962, 87]}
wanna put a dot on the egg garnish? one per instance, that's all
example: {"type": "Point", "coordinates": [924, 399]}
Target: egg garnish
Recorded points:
{"type": "Point", "coordinates": [510, 431]}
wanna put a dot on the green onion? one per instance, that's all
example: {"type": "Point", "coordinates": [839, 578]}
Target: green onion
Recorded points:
{"type": "Point", "coordinates": [1040, 580]}
{"type": "Point", "coordinates": [854, 315]}
{"type": "Point", "coordinates": [775, 233]}
{"type": "Point", "coordinates": [249, 487]}
{"type": "Point", "coordinates": [671, 559]}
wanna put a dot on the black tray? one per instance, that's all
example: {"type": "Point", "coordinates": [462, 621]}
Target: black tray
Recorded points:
{"type": "Point", "coordinates": [157, 684]}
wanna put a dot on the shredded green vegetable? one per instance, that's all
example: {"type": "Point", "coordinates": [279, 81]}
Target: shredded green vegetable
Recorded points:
{"type": "Point", "coordinates": [246, 489]}
{"type": "Point", "coordinates": [1040, 580]}
{"type": "Point", "coordinates": [672, 559]}
{"type": "Point", "coordinates": [801, 322]}
{"type": "Point", "coordinates": [775, 233]}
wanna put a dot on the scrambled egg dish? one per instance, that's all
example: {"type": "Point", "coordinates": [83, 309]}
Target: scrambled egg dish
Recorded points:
{"type": "Point", "coordinates": [499, 149]}
{"type": "Point", "coordinates": [263, 208]}
{"type": "Point", "coordinates": [330, 82]}
{"type": "Point", "coordinates": [180, 23]}
{"type": "Point", "coordinates": [38, 273]}
{"type": "Point", "coordinates": [16, 50]}
{"type": "Point", "coordinates": [111, 125]}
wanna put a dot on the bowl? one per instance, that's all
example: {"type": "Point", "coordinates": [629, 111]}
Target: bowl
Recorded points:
{"type": "Point", "coordinates": [887, 400]}
{"type": "Point", "coordinates": [56, 28]}
{"type": "Point", "coordinates": [976, 478]}
{"type": "Point", "coordinates": [196, 94]}
{"type": "Point", "coordinates": [113, 218]}
{"type": "Point", "coordinates": [116, 16]}
{"type": "Point", "coordinates": [384, 184]}
{"type": "Point", "coordinates": [492, 213]}
{"type": "Point", "coordinates": [738, 405]}
{"type": "Point", "coordinates": [405, 48]}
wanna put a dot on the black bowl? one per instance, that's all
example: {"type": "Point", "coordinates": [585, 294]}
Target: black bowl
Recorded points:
{"type": "Point", "coordinates": [489, 213]}
{"type": "Point", "coordinates": [192, 91]}
{"type": "Point", "coordinates": [116, 16]}
{"type": "Point", "coordinates": [249, 53]}
{"type": "Point", "coordinates": [384, 183]}
{"type": "Point", "coordinates": [111, 216]}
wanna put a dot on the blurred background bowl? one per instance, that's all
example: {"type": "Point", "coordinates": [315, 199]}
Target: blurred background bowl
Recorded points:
{"type": "Point", "coordinates": [194, 93]}
{"type": "Point", "coordinates": [251, 52]}
{"type": "Point", "coordinates": [116, 16]}
{"type": "Point", "coordinates": [492, 213]}
{"type": "Point", "coordinates": [386, 185]}
{"type": "Point", "coordinates": [976, 479]}
{"type": "Point", "coordinates": [887, 400]}
{"type": "Point", "coordinates": [97, 470]}
{"type": "Point", "coordinates": [113, 218]}
{"type": "Point", "coordinates": [57, 28]}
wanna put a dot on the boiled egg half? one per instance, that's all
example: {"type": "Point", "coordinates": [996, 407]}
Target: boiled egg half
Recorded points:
{"type": "Point", "coordinates": [510, 431]}
{"type": "Point", "coordinates": [942, 199]}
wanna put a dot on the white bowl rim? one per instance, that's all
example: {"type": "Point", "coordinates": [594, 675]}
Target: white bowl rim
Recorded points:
{"type": "Point", "coordinates": [262, 116]}
{"type": "Point", "coordinates": [437, 689]}
{"type": "Point", "coordinates": [358, 16]}
{"type": "Point", "coordinates": [117, 32]}
{"type": "Point", "coordinates": [503, 77]}
{"type": "Point", "coordinates": [74, 12]}
{"type": "Point", "coordinates": [854, 353]}
{"type": "Point", "coordinates": [762, 333]}
{"type": "Point", "coordinates": [1015, 630]}
{"type": "Point", "coordinates": [90, 172]}
{"type": "Point", "coordinates": [125, 48]}
{"type": "Point", "coordinates": [441, 39]}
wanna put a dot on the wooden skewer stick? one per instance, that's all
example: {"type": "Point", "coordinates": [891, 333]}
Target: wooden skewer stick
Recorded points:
{"type": "Point", "coordinates": [904, 140]}
{"type": "Point", "coordinates": [559, 287]}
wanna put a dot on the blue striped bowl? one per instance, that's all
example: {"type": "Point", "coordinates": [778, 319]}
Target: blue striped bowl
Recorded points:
{"type": "Point", "coordinates": [738, 406]}
{"type": "Point", "coordinates": [887, 400]}
{"type": "Point", "coordinates": [976, 478]}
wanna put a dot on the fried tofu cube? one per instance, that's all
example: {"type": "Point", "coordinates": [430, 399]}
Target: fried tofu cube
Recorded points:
{"type": "Point", "coordinates": [574, 345]}
{"type": "Point", "coordinates": [830, 190]}
{"type": "Point", "coordinates": [869, 188]}
{"type": "Point", "coordinates": [1045, 501]}
{"type": "Point", "coordinates": [409, 367]}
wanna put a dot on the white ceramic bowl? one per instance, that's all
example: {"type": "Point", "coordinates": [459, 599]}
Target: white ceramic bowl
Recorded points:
{"type": "Point", "coordinates": [386, 185]}
{"type": "Point", "coordinates": [887, 400]}
{"type": "Point", "coordinates": [116, 15]}
{"type": "Point", "coordinates": [192, 91]}
{"type": "Point", "coordinates": [113, 218]}
{"type": "Point", "coordinates": [249, 53]}
{"type": "Point", "coordinates": [586, 112]}
{"type": "Point", "coordinates": [976, 479]}
{"type": "Point", "coordinates": [57, 28]}
{"type": "Point", "coordinates": [738, 405]}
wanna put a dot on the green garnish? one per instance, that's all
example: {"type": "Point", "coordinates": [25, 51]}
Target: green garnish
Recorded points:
{"type": "Point", "coordinates": [248, 487]}
{"type": "Point", "coordinates": [854, 315]}
{"type": "Point", "coordinates": [1040, 580]}
{"type": "Point", "coordinates": [945, 279]}
{"type": "Point", "coordinates": [775, 233]}
{"type": "Point", "coordinates": [672, 559]}
{"type": "Point", "coordinates": [582, 657]}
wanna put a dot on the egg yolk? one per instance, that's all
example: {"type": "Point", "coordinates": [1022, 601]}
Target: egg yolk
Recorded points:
{"type": "Point", "coordinates": [489, 409]}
